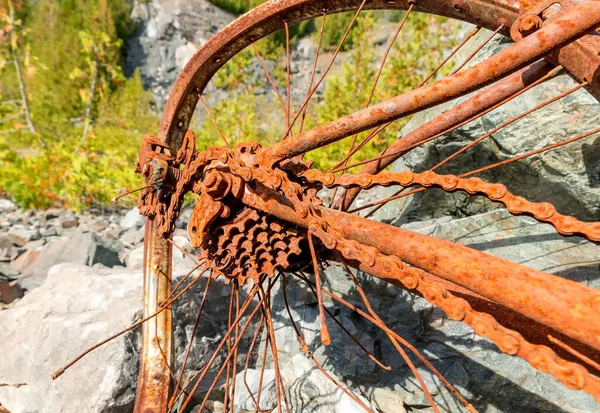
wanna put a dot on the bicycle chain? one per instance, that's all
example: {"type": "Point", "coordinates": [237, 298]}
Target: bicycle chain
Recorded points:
{"type": "Point", "coordinates": [541, 357]}
{"type": "Point", "coordinates": [543, 211]}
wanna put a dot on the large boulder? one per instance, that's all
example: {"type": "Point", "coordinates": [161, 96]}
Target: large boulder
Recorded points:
{"type": "Point", "coordinates": [167, 36]}
{"type": "Point", "coordinates": [490, 379]}
{"type": "Point", "coordinates": [77, 307]}
{"type": "Point", "coordinates": [80, 248]}
{"type": "Point", "coordinates": [567, 177]}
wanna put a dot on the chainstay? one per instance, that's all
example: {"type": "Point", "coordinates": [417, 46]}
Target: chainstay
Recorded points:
{"type": "Point", "coordinates": [542, 358]}
{"type": "Point", "coordinates": [541, 211]}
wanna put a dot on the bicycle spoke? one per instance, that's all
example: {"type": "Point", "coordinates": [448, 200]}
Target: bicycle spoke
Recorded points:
{"type": "Point", "coordinates": [164, 306]}
{"type": "Point", "coordinates": [574, 352]}
{"type": "Point", "coordinates": [205, 106]}
{"type": "Point", "coordinates": [481, 46]}
{"type": "Point", "coordinates": [354, 339]}
{"type": "Point", "coordinates": [452, 53]}
{"type": "Point", "coordinates": [352, 150]}
{"type": "Point", "coordinates": [190, 344]}
{"type": "Point", "coordinates": [289, 78]}
{"type": "Point", "coordinates": [238, 336]}
{"type": "Point", "coordinates": [378, 76]}
{"type": "Point", "coordinates": [245, 306]}
{"type": "Point", "coordinates": [271, 82]}
{"type": "Point", "coordinates": [229, 351]}
{"type": "Point", "coordinates": [333, 58]}
{"type": "Point", "coordinates": [309, 353]}
{"type": "Point", "coordinates": [506, 123]}
{"type": "Point", "coordinates": [312, 74]}
{"type": "Point", "coordinates": [401, 149]}
{"type": "Point", "coordinates": [487, 168]}
{"type": "Point", "coordinates": [404, 357]}
{"type": "Point", "coordinates": [250, 349]}
{"type": "Point", "coordinates": [279, 388]}
{"type": "Point", "coordinates": [392, 338]}
{"type": "Point", "coordinates": [325, 338]}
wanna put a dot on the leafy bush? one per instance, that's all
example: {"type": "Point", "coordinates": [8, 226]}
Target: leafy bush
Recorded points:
{"type": "Point", "coordinates": [71, 48]}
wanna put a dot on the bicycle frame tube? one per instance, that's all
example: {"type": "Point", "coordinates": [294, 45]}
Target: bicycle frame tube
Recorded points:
{"type": "Point", "coordinates": [153, 380]}
{"type": "Point", "coordinates": [553, 35]}
{"type": "Point", "coordinates": [542, 297]}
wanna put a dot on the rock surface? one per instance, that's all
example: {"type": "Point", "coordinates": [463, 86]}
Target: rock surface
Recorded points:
{"type": "Point", "coordinates": [168, 35]}
{"type": "Point", "coordinates": [491, 380]}
{"type": "Point", "coordinates": [567, 177]}
{"type": "Point", "coordinates": [75, 308]}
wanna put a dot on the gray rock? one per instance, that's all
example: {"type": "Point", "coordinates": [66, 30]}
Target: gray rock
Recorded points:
{"type": "Point", "coordinates": [568, 177]}
{"type": "Point", "coordinates": [93, 306]}
{"type": "Point", "coordinates": [52, 213]}
{"type": "Point", "coordinates": [168, 34]}
{"type": "Point", "coordinates": [8, 271]}
{"type": "Point", "coordinates": [135, 259]}
{"type": "Point", "coordinates": [7, 205]}
{"type": "Point", "coordinates": [81, 248]}
{"type": "Point", "coordinates": [20, 236]}
{"type": "Point", "coordinates": [32, 245]}
{"type": "Point", "coordinates": [133, 236]}
{"type": "Point", "coordinates": [244, 400]}
{"type": "Point", "coordinates": [8, 252]}
{"type": "Point", "coordinates": [133, 219]}
{"type": "Point", "coordinates": [49, 232]}
{"type": "Point", "coordinates": [99, 225]}
{"type": "Point", "coordinates": [69, 223]}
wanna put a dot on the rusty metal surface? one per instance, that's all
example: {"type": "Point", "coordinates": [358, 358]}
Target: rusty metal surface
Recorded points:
{"type": "Point", "coordinates": [272, 16]}
{"type": "Point", "coordinates": [258, 208]}
{"type": "Point", "coordinates": [555, 33]}
{"type": "Point", "coordinates": [153, 379]}
{"type": "Point", "coordinates": [383, 250]}
{"type": "Point", "coordinates": [474, 106]}
{"type": "Point", "coordinates": [542, 211]}
{"type": "Point", "coordinates": [366, 244]}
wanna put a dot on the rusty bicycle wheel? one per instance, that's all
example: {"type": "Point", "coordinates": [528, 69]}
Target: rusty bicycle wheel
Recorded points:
{"type": "Point", "coordinates": [258, 220]}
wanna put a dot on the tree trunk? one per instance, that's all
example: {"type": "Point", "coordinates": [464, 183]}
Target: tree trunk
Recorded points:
{"type": "Point", "coordinates": [88, 109]}
{"type": "Point", "coordinates": [21, 82]}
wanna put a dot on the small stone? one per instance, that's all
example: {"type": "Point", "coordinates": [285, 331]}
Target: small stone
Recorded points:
{"type": "Point", "coordinates": [135, 259]}
{"type": "Point", "coordinates": [387, 401]}
{"type": "Point", "coordinates": [133, 236]}
{"type": "Point", "coordinates": [26, 259]}
{"type": "Point", "coordinates": [52, 213]}
{"type": "Point", "coordinates": [112, 234]}
{"type": "Point", "coordinates": [133, 219]}
{"type": "Point", "coordinates": [19, 236]}
{"type": "Point", "coordinates": [244, 401]}
{"type": "Point", "coordinates": [8, 271]}
{"type": "Point", "coordinates": [7, 206]}
{"type": "Point", "coordinates": [49, 232]}
{"type": "Point", "coordinates": [10, 291]}
{"type": "Point", "coordinates": [31, 245]}
{"type": "Point", "coordinates": [183, 243]}
{"type": "Point", "coordinates": [80, 248]}
{"type": "Point", "coordinates": [69, 223]}
{"type": "Point", "coordinates": [99, 225]}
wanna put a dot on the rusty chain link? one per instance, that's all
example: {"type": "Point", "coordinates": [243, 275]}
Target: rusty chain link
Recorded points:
{"type": "Point", "coordinates": [541, 357]}
{"type": "Point", "coordinates": [543, 211]}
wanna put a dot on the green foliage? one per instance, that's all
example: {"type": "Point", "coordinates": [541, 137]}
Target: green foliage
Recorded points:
{"type": "Point", "coordinates": [237, 6]}
{"type": "Point", "coordinates": [335, 28]}
{"type": "Point", "coordinates": [65, 45]}
{"type": "Point", "coordinates": [70, 43]}
{"type": "Point", "coordinates": [413, 56]}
